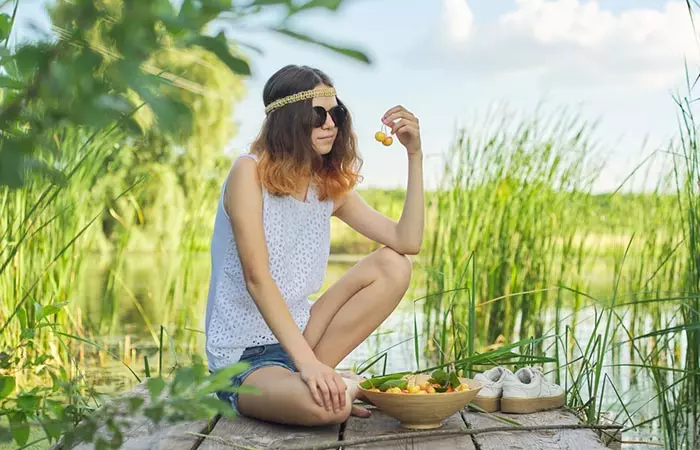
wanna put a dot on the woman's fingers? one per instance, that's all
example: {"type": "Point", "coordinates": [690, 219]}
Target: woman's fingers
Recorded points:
{"type": "Point", "coordinates": [341, 388]}
{"type": "Point", "coordinates": [325, 393]}
{"type": "Point", "coordinates": [315, 392]}
{"type": "Point", "coordinates": [403, 115]}
{"type": "Point", "coordinates": [333, 391]}
{"type": "Point", "coordinates": [404, 125]}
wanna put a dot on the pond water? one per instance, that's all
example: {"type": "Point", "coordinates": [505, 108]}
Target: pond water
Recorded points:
{"type": "Point", "coordinates": [126, 302]}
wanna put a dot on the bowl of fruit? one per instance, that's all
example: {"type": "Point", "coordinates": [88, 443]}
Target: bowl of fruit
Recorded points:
{"type": "Point", "coordinates": [420, 401]}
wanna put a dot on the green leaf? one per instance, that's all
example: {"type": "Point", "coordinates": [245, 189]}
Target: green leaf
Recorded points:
{"type": "Point", "coordinates": [44, 311]}
{"type": "Point", "coordinates": [7, 386]}
{"type": "Point", "coordinates": [454, 380]}
{"type": "Point", "coordinates": [355, 54]}
{"type": "Point", "coordinates": [9, 83]}
{"type": "Point", "coordinates": [221, 379]}
{"type": "Point", "coordinates": [5, 26]}
{"type": "Point", "coordinates": [41, 359]}
{"type": "Point", "coordinates": [19, 428]}
{"type": "Point", "coordinates": [439, 377]}
{"type": "Point", "coordinates": [54, 430]}
{"type": "Point", "coordinates": [28, 402]}
{"type": "Point", "coordinates": [135, 403]}
{"type": "Point", "coordinates": [401, 384]}
{"type": "Point", "coordinates": [22, 316]}
{"type": "Point", "coordinates": [155, 413]}
{"type": "Point", "coordinates": [155, 387]}
{"type": "Point", "coordinates": [375, 382]}
{"type": "Point", "coordinates": [214, 403]}
{"type": "Point", "coordinates": [440, 389]}
{"type": "Point", "coordinates": [27, 333]}
{"type": "Point", "coordinates": [219, 46]}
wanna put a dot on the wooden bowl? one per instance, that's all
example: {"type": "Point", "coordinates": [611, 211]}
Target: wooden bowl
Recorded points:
{"type": "Point", "coordinates": [422, 411]}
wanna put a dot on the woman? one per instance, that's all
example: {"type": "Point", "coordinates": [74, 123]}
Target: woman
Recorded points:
{"type": "Point", "coordinates": [270, 249]}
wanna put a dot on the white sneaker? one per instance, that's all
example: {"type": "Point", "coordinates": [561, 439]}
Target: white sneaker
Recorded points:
{"type": "Point", "coordinates": [489, 397]}
{"type": "Point", "coordinates": [528, 391]}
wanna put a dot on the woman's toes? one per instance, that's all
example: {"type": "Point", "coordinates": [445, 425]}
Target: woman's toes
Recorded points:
{"type": "Point", "coordinates": [359, 411]}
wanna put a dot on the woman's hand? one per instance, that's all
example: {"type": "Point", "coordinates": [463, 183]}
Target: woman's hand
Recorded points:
{"type": "Point", "coordinates": [326, 385]}
{"type": "Point", "coordinates": [406, 128]}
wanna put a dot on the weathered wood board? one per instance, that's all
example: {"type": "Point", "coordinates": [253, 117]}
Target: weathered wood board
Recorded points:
{"type": "Point", "coordinates": [533, 440]}
{"type": "Point", "coordinates": [381, 424]}
{"type": "Point", "coordinates": [249, 433]}
{"type": "Point", "coordinates": [143, 434]}
{"type": "Point", "coordinates": [245, 433]}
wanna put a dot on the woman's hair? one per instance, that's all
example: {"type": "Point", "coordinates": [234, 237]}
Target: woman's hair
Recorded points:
{"type": "Point", "coordinates": [285, 151]}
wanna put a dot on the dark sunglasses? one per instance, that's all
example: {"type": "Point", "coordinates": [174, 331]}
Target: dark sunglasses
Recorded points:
{"type": "Point", "coordinates": [338, 114]}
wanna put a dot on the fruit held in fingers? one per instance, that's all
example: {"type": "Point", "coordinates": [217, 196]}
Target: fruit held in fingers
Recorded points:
{"type": "Point", "coordinates": [381, 136]}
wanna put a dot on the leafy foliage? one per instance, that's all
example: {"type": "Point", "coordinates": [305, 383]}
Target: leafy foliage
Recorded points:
{"type": "Point", "coordinates": [107, 101]}
{"type": "Point", "coordinates": [99, 69]}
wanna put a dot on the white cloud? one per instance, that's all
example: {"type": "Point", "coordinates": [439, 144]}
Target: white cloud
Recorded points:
{"type": "Point", "coordinates": [574, 43]}
{"type": "Point", "coordinates": [459, 19]}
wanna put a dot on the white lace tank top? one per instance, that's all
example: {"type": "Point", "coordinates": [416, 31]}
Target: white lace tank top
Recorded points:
{"type": "Point", "coordinates": [297, 234]}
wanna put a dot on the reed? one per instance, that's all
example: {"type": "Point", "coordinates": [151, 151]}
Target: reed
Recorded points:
{"type": "Point", "coordinates": [687, 173]}
{"type": "Point", "coordinates": [511, 199]}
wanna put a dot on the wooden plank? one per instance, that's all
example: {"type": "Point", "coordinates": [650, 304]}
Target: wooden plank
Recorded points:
{"type": "Point", "coordinates": [533, 440]}
{"type": "Point", "coordinates": [167, 437]}
{"type": "Point", "coordinates": [141, 434]}
{"type": "Point", "coordinates": [381, 424]}
{"type": "Point", "coordinates": [246, 433]}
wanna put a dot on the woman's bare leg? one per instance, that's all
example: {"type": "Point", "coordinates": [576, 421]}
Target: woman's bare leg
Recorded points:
{"type": "Point", "coordinates": [285, 398]}
{"type": "Point", "coordinates": [353, 307]}
{"type": "Point", "coordinates": [349, 311]}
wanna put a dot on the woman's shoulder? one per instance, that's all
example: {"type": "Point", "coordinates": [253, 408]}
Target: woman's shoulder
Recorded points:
{"type": "Point", "coordinates": [242, 178]}
{"type": "Point", "coordinates": [244, 165]}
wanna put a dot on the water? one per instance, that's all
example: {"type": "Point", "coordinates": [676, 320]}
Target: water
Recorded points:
{"type": "Point", "coordinates": [126, 310]}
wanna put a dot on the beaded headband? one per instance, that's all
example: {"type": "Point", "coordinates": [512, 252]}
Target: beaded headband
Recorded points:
{"type": "Point", "coordinates": [303, 95]}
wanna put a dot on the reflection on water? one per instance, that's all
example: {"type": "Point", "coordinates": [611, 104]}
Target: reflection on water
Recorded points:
{"type": "Point", "coordinates": [125, 302]}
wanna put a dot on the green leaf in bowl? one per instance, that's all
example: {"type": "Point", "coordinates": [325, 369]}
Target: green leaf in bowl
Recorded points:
{"type": "Point", "coordinates": [454, 380]}
{"type": "Point", "coordinates": [401, 384]}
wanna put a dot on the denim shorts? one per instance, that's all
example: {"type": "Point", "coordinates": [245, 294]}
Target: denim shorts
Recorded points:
{"type": "Point", "coordinates": [257, 357]}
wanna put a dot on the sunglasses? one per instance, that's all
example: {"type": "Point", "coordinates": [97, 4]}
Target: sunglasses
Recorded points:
{"type": "Point", "coordinates": [338, 114]}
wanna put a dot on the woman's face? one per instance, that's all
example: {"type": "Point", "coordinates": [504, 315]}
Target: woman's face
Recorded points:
{"type": "Point", "coordinates": [325, 128]}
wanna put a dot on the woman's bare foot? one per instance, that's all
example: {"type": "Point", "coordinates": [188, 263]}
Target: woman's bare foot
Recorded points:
{"type": "Point", "coordinates": [359, 411]}
{"type": "Point", "coordinates": [352, 381]}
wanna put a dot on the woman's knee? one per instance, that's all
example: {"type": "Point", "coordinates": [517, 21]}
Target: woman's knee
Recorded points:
{"type": "Point", "coordinates": [394, 265]}
{"type": "Point", "coordinates": [314, 415]}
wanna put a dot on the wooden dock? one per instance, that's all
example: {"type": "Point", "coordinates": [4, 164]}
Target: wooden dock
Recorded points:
{"type": "Point", "coordinates": [377, 432]}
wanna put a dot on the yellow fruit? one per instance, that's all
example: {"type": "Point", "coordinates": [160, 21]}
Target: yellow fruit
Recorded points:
{"type": "Point", "coordinates": [379, 136]}
{"type": "Point", "coordinates": [421, 392]}
{"type": "Point", "coordinates": [414, 389]}
{"type": "Point", "coordinates": [387, 141]}
{"type": "Point", "coordinates": [430, 390]}
{"type": "Point", "coordinates": [393, 390]}
{"type": "Point", "coordinates": [373, 390]}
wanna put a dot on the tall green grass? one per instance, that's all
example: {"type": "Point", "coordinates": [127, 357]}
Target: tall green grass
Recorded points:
{"type": "Point", "coordinates": [75, 242]}
{"type": "Point", "coordinates": [512, 198]}
{"type": "Point", "coordinates": [688, 177]}
{"type": "Point", "coordinates": [517, 234]}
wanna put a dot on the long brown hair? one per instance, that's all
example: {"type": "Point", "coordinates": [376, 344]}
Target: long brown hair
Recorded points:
{"type": "Point", "coordinates": [284, 148]}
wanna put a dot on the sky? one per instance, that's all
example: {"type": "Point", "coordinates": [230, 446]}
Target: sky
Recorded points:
{"type": "Point", "coordinates": [617, 63]}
